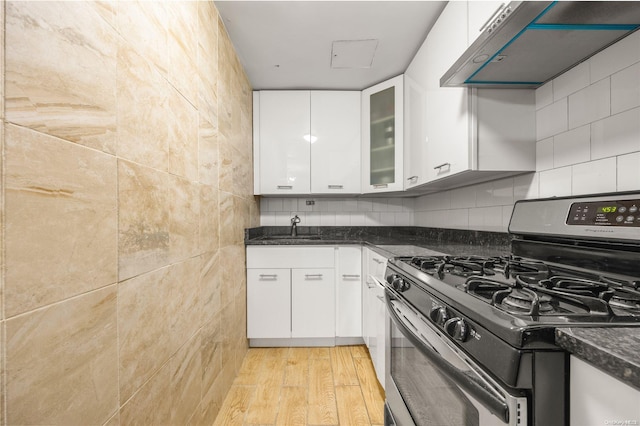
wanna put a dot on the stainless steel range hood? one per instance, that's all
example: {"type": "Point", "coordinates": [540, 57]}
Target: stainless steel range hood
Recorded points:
{"type": "Point", "coordinates": [530, 42]}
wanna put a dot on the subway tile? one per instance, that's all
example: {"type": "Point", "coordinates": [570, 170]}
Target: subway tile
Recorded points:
{"type": "Point", "coordinates": [552, 119]}
{"type": "Point", "coordinates": [622, 54]}
{"type": "Point", "coordinates": [590, 104]}
{"type": "Point", "coordinates": [312, 218]}
{"type": "Point", "coordinates": [544, 95]}
{"type": "Point", "coordinates": [327, 219]}
{"type": "Point", "coordinates": [628, 170]}
{"type": "Point", "coordinates": [594, 176]}
{"type": "Point", "coordinates": [571, 81]}
{"type": "Point", "coordinates": [404, 219]}
{"type": "Point", "coordinates": [350, 205]}
{"type": "Point", "coordinates": [408, 204]}
{"type": "Point", "coordinates": [60, 217]}
{"type": "Point", "coordinates": [267, 219]}
{"type": "Point", "coordinates": [616, 135]}
{"type": "Point", "coordinates": [387, 219]}
{"type": "Point", "coordinates": [343, 219]}
{"type": "Point", "coordinates": [394, 205]}
{"type": "Point", "coordinates": [502, 190]}
{"type": "Point", "coordinates": [302, 205]}
{"type": "Point", "coordinates": [74, 99]}
{"type": "Point", "coordinates": [282, 218]}
{"type": "Point", "coordinates": [336, 205]}
{"type": "Point", "coordinates": [274, 204]}
{"type": "Point", "coordinates": [61, 362]}
{"type": "Point", "coordinates": [357, 219]}
{"type": "Point", "coordinates": [372, 219]}
{"type": "Point", "coordinates": [321, 205]}
{"type": "Point", "coordinates": [484, 194]}
{"type": "Point", "coordinates": [625, 89]}
{"type": "Point", "coordinates": [379, 205]}
{"type": "Point", "coordinates": [525, 186]}
{"type": "Point", "coordinates": [289, 205]}
{"type": "Point", "coordinates": [544, 154]}
{"type": "Point", "coordinates": [507, 211]}
{"type": "Point", "coordinates": [572, 147]}
{"type": "Point", "coordinates": [365, 205]}
{"type": "Point", "coordinates": [463, 197]}
{"type": "Point", "coordinates": [556, 182]}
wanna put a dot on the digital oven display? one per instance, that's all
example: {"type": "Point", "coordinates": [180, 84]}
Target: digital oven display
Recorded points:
{"type": "Point", "coordinates": [605, 213]}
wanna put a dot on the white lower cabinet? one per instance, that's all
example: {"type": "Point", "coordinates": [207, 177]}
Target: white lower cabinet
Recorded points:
{"type": "Point", "coordinates": [374, 314]}
{"type": "Point", "coordinates": [597, 398]}
{"type": "Point", "coordinates": [313, 303]}
{"type": "Point", "coordinates": [268, 303]}
{"type": "Point", "coordinates": [303, 295]}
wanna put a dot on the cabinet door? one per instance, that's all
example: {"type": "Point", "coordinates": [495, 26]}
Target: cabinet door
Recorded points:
{"type": "Point", "coordinates": [335, 142]}
{"type": "Point", "coordinates": [382, 136]}
{"type": "Point", "coordinates": [268, 303]}
{"type": "Point", "coordinates": [415, 152]}
{"type": "Point", "coordinates": [378, 354]}
{"type": "Point", "coordinates": [447, 108]}
{"type": "Point", "coordinates": [349, 292]}
{"type": "Point", "coordinates": [313, 303]}
{"type": "Point", "coordinates": [285, 135]}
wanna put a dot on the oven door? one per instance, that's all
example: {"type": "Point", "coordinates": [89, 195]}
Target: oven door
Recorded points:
{"type": "Point", "coordinates": [432, 382]}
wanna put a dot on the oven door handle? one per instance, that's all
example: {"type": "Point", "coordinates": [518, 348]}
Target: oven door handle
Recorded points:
{"type": "Point", "coordinates": [474, 387]}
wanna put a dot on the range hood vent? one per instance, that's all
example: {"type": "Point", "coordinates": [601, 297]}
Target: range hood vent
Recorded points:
{"type": "Point", "coordinates": [530, 42]}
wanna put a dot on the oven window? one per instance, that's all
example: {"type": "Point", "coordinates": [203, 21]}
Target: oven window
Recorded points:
{"type": "Point", "coordinates": [431, 398]}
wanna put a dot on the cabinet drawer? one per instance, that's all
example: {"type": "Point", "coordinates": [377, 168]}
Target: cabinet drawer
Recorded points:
{"type": "Point", "coordinates": [290, 257]}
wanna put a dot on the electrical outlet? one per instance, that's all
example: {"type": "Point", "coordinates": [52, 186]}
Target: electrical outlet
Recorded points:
{"type": "Point", "coordinates": [311, 202]}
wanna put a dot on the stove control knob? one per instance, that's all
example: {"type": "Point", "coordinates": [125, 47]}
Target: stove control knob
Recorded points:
{"type": "Point", "coordinates": [400, 284]}
{"type": "Point", "coordinates": [439, 315]}
{"type": "Point", "coordinates": [392, 277]}
{"type": "Point", "coordinates": [457, 328]}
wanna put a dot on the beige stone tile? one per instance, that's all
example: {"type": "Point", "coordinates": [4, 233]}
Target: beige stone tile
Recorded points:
{"type": "Point", "coordinates": [143, 131]}
{"type": "Point", "coordinates": [144, 325]}
{"type": "Point", "coordinates": [150, 405]}
{"type": "Point", "coordinates": [182, 119]}
{"type": "Point", "coordinates": [71, 99]}
{"type": "Point", "coordinates": [208, 61]}
{"type": "Point", "coordinates": [60, 212]}
{"type": "Point", "coordinates": [143, 24]}
{"type": "Point", "coordinates": [184, 215]}
{"type": "Point", "coordinates": [226, 163]}
{"type": "Point", "coordinates": [227, 218]}
{"type": "Point", "coordinates": [144, 219]}
{"type": "Point", "coordinates": [186, 381]}
{"type": "Point", "coordinates": [183, 47]}
{"type": "Point", "coordinates": [211, 283]}
{"type": "Point", "coordinates": [211, 352]}
{"type": "Point", "coordinates": [232, 261]}
{"type": "Point", "coordinates": [62, 362]}
{"type": "Point", "coordinates": [184, 301]}
{"type": "Point", "coordinates": [209, 221]}
{"type": "Point", "coordinates": [207, 153]}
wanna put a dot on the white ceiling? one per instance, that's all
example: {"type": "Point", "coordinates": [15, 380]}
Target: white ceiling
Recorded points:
{"type": "Point", "coordinates": [290, 44]}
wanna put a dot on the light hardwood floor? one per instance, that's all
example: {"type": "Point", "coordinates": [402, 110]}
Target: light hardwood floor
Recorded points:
{"type": "Point", "coordinates": [305, 386]}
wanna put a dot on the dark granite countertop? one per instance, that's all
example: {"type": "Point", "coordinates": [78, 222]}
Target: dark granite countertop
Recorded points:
{"type": "Point", "coordinates": [615, 350]}
{"type": "Point", "coordinates": [395, 240]}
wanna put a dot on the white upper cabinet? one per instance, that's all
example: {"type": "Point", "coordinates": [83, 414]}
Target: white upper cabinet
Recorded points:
{"type": "Point", "coordinates": [460, 136]}
{"type": "Point", "coordinates": [335, 142]}
{"type": "Point", "coordinates": [306, 142]}
{"type": "Point", "coordinates": [283, 153]}
{"type": "Point", "coordinates": [382, 136]}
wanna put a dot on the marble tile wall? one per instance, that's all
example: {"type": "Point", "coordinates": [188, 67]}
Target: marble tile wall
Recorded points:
{"type": "Point", "coordinates": [126, 149]}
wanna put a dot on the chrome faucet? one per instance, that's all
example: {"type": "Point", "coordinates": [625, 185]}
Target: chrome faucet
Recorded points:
{"type": "Point", "coordinates": [294, 225]}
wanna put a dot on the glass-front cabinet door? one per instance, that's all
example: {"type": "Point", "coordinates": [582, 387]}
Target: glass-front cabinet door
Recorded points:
{"type": "Point", "coordinates": [382, 133]}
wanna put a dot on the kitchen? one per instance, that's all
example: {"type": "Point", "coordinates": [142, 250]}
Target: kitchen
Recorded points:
{"type": "Point", "coordinates": [124, 226]}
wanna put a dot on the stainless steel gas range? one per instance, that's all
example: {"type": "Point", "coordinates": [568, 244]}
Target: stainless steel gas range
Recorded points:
{"type": "Point", "coordinates": [471, 338]}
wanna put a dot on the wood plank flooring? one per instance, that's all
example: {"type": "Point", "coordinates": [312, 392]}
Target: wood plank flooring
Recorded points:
{"type": "Point", "coordinates": [305, 386]}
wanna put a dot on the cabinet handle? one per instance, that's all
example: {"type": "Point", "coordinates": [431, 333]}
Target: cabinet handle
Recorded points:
{"type": "Point", "coordinates": [336, 186]}
{"type": "Point", "coordinates": [268, 276]}
{"type": "Point", "coordinates": [350, 276]}
{"type": "Point", "coordinates": [380, 298]}
{"type": "Point", "coordinates": [313, 276]}
{"type": "Point", "coordinates": [378, 261]}
{"type": "Point", "coordinates": [442, 165]}
{"type": "Point", "coordinates": [285, 186]}
{"type": "Point", "coordinates": [413, 178]}
{"type": "Point", "coordinates": [381, 185]}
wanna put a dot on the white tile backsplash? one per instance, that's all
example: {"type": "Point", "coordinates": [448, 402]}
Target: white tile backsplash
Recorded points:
{"type": "Point", "coordinates": [594, 177]}
{"type": "Point", "coordinates": [572, 81]}
{"type": "Point", "coordinates": [590, 104]}
{"type": "Point", "coordinates": [616, 135]}
{"type": "Point", "coordinates": [572, 147]}
{"type": "Point", "coordinates": [628, 172]}
{"type": "Point", "coordinates": [588, 133]}
{"type": "Point", "coordinates": [625, 89]}
{"type": "Point", "coordinates": [552, 119]}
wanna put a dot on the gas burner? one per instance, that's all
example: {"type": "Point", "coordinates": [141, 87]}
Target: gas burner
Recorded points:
{"type": "Point", "coordinates": [524, 301]}
{"type": "Point", "coordinates": [517, 266]}
{"type": "Point", "coordinates": [574, 285]}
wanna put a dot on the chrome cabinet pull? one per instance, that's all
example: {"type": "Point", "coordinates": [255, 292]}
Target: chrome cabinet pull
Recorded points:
{"type": "Point", "coordinates": [378, 261]}
{"type": "Point", "coordinates": [413, 178]}
{"type": "Point", "coordinates": [285, 186]}
{"type": "Point", "coordinates": [268, 276]}
{"type": "Point", "coordinates": [336, 186]}
{"type": "Point", "coordinates": [350, 276]}
{"type": "Point", "coordinates": [312, 276]}
{"type": "Point", "coordinates": [381, 185]}
{"type": "Point", "coordinates": [380, 298]}
{"type": "Point", "coordinates": [442, 165]}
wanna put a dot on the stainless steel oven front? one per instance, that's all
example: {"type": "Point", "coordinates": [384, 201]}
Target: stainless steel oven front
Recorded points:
{"type": "Point", "coordinates": [429, 381]}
